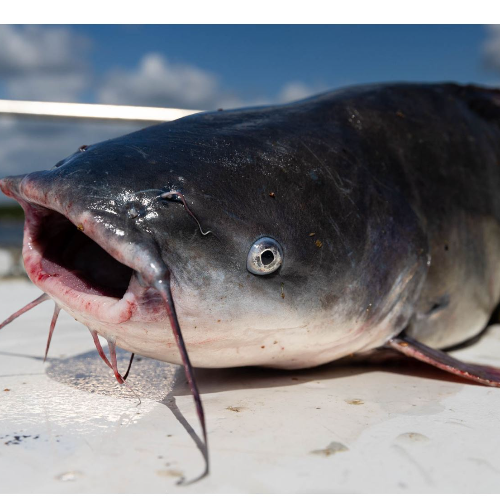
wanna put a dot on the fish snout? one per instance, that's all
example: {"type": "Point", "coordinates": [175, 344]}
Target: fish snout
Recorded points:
{"type": "Point", "coordinates": [91, 262]}
{"type": "Point", "coordinates": [38, 188]}
{"type": "Point", "coordinates": [10, 185]}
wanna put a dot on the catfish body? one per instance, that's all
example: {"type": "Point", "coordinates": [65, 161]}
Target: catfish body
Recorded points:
{"type": "Point", "coordinates": [383, 200]}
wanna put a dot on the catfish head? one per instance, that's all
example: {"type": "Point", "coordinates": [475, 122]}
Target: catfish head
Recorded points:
{"type": "Point", "coordinates": [260, 232]}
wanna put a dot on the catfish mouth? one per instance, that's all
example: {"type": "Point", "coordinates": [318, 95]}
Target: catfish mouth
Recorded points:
{"type": "Point", "coordinates": [77, 260]}
{"type": "Point", "coordinates": [71, 267]}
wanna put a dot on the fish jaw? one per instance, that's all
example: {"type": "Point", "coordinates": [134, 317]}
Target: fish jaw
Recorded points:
{"type": "Point", "coordinates": [46, 219]}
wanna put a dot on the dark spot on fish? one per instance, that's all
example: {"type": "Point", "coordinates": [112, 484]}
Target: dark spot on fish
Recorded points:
{"type": "Point", "coordinates": [446, 247]}
{"type": "Point", "coordinates": [6, 390]}
{"type": "Point", "coordinates": [262, 346]}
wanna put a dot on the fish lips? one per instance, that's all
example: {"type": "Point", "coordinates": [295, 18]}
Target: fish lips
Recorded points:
{"type": "Point", "coordinates": [88, 262]}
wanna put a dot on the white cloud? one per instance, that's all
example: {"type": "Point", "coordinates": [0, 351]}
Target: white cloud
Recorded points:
{"type": "Point", "coordinates": [60, 88]}
{"type": "Point", "coordinates": [491, 47]}
{"type": "Point", "coordinates": [295, 91]}
{"type": "Point", "coordinates": [45, 63]}
{"type": "Point", "coordinates": [42, 63]}
{"type": "Point", "coordinates": [50, 63]}
{"type": "Point", "coordinates": [30, 145]}
{"type": "Point", "coordinates": [159, 82]}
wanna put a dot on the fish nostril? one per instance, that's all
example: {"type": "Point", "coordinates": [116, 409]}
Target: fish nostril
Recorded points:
{"type": "Point", "coordinates": [267, 257]}
{"type": "Point", "coordinates": [133, 213]}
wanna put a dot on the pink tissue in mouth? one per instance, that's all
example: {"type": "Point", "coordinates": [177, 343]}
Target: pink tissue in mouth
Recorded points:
{"type": "Point", "coordinates": [71, 279]}
{"type": "Point", "coordinates": [77, 261]}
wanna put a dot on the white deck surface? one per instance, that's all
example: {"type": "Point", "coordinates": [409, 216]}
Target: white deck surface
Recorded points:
{"type": "Point", "coordinates": [402, 427]}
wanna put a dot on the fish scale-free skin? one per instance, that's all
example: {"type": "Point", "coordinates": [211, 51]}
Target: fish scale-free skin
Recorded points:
{"type": "Point", "coordinates": [398, 183]}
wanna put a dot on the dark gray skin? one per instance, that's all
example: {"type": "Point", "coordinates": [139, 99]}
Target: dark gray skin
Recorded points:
{"type": "Point", "coordinates": [398, 183]}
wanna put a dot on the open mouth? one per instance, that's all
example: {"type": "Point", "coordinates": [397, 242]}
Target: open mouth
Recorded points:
{"type": "Point", "coordinates": [78, 261]}
{"type": "Point", "coordinates": [64, 262]}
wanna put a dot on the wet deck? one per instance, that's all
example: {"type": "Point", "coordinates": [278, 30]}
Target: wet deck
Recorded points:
{"type": "Point", "coordinates": [67, 426]}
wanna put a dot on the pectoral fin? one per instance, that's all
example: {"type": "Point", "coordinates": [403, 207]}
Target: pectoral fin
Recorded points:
{"type": "Point", "coordinates": [486, 375]}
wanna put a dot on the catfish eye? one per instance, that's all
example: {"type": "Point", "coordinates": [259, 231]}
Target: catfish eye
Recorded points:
{"type": "Point", "coordinates": [265, 256]}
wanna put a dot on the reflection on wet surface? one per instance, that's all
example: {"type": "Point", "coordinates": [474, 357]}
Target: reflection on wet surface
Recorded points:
{"type": "Point", "coordinates": [35, 401]}
{"type": "Point", "coordinates": [151, 379]}
{"type": "Point", "coordinates": [99, 400]}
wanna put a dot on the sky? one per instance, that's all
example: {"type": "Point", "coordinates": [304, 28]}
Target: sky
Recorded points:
{"type": "Point", "coordinates": [209, 67]}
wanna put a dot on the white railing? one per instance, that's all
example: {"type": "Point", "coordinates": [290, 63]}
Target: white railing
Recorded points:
{"type": "Point", "coordinates": [92, 111]}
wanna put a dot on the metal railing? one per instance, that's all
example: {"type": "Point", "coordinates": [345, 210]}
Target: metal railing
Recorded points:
{"type": "Point", "coordinates": [10, 254]}
{"type": "Point", "coordinates": [92, 111]}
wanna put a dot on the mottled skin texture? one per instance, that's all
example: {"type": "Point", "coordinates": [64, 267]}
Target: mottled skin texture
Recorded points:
{"type": "Point", "coordinates": [389, 178]}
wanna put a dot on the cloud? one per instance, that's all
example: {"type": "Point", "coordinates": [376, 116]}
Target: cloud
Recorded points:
{"type": "Point", "coordinates": [43, 63]}
{"type": "Point", "coordinates": [295, 91]}
{"type": "Point", "coordinates": [158, 82]}
{"type": "Point", "coordinates": [60, 88]}
{"type": "Point", "coordinates": [28, 145]}
{"type": "Point", "coordinates": [491, 47]}
{"type": "Point", "coordinates": [51, 63]}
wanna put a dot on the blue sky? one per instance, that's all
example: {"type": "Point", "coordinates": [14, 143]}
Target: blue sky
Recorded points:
{"type": "Point", "coordinates": [264, 58]}
{"type": "Point", "coordinates": [242, 64]}
{"type": "Point", "coordinates": [207, 67]}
